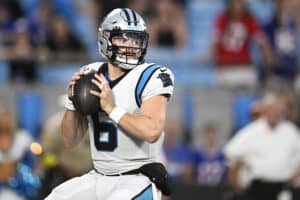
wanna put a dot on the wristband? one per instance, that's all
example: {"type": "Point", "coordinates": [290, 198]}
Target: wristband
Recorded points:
{"type": "Point", "coordinates": [117, 113]}
{"type": "Point", "coordinates": [69, 104]}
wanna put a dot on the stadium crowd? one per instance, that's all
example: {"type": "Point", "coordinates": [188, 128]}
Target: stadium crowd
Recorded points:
{"type": "Point", "coordinates": [249, 49]}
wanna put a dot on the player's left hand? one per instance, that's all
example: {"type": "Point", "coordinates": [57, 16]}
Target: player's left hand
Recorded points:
{"type": "Point", "coordinates": [105, 95]}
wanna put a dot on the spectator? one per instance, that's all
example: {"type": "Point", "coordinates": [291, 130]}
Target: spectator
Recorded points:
{"type": "Point", "coordinates": [62, 44]}
{"type": "Point", "coordinates": [39, 22]}
{"type": "Point", "coordinates": [92, 11]}
{"type": "Point", "coordinates": [141, 6]}
{"type": "Point", "coordinates": [210, 161]}
{"type": "Point", "coordinates": [10, 11]}
{"type": "Point", "coordinates": [21, 56]}
{"type": "Point", "coordinates": [266, 153]}
{"type": "Point", "coordinates": [7, 26]}
{"type": "Point", "coordinates": [282, 33]}
{"type": "Point", "coordinates": [107, 6]}
{"type": "Point", "coordinates": [256, 109]}
{"type": "Point", "coordinates": [88, 15]}
{"type": "Point", "coordinates": [234, 29]}
{"type": "Point", "coordinates": [295, 5]}
{"type": "Point", "coordinates": [13, 7]}
{"type": "Point", "coordinates": [16, 179]}
{"type": "Point", "coordinates": [291, 102]}
{"type": "Point", "coordinates": [167, 24]}
{"type": "Point", "coordinates": [57, 162]}
{"type": "Point", "coordinates": [178, 156]}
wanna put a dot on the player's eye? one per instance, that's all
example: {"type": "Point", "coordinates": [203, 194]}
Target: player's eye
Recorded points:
{"type": "Point", "coordinates": [136, 42]}
{"type": "Point", "coordinates": [119, 39]}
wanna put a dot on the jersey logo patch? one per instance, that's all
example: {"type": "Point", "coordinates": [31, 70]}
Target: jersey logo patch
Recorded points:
{"type": "Point", "coordinates": [165, 79]}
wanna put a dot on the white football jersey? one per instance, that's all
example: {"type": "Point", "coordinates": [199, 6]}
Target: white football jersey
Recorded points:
{"type": "Point", "coordinates": [113, 150]}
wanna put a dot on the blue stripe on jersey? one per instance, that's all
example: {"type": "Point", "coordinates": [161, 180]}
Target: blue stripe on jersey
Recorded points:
{"type": "Point", "coordinates": [142, 82]}
{"type": "Point", "coordinates": [146, 194]}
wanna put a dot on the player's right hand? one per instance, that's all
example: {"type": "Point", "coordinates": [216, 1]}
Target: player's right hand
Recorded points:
{"type": "Point", "coordinates": [72, 82]}
{"type": "Point", "coordinates": [105, 95]}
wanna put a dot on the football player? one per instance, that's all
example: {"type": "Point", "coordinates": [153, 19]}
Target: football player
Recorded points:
{"type": "Point", "coordinates": [126, 134]}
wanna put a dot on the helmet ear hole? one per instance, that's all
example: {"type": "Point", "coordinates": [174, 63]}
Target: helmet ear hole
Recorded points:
{"type": "Point", "coordinates": [120, 22]}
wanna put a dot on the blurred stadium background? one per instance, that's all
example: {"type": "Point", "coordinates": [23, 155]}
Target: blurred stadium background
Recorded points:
{"type": "Point", "coordinates": [43, 42]}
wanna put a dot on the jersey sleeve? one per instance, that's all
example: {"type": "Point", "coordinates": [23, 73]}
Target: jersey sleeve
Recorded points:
{"type": "Point", "coordinates": [237, 147]}
{"type": "Point", "coordinates": [255, 30]}
{"type": "Point", "coordinates": [160, 83]}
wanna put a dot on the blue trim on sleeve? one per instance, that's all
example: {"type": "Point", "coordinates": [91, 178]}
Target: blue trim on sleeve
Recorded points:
{"type": "Point", "coordinates": [142, 82]}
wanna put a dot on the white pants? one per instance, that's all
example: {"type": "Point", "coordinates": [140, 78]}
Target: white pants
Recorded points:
{"type": "Point", "coordinates": [93, 186]}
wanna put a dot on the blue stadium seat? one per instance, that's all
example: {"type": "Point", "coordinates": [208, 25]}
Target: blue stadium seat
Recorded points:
{"type": "Point", "coordinates": [200, 19]}
{"type": "Point", "coordinates": [171, 57]}
{"type": "Point", "coordinates": [241, 109]}
{"type": "Point", "coordinates": [66, 7]}
{"type": "Point", "coordinates": [263, 10]}
{"type": "Point", "coordinates": [30, 112]}
{"type": "Point", "coordinates": [29, 5]}
{"type": "Point", "coordinates": [57, 73]}
{"type": "Point", "coordinates": [4, 71]}
{"type": "Point", "coordinates": [203, 9]}
{"type": "Point", "coordinates": [87, 35]}
{"type": "Point", "coordinates": [188, 111]}
{"type": "Point", "coordinates": [298, 47]}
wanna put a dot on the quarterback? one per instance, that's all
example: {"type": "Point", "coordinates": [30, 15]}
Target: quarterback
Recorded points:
{"type": "Point", "coordinates": [126, 133]}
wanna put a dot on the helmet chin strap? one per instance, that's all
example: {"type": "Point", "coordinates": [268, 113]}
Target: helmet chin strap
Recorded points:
{"type": "Point", "coordinates": [125, 65]}
{"type": "Point", "coordinates": [126, 60]}
{"type": "Point", "coordinates": [122, 64]}
{"type": "Point", "coordinates": [122, 60]}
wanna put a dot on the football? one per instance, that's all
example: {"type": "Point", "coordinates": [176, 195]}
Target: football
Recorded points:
{"type": "Point", "coordinates": [84, 102]}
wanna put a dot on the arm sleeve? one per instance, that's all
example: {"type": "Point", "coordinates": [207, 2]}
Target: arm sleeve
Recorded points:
{"type": "Point", "coordinates": [236, 147]}
{"type": "Point", "coordinates": [256, 31]}
{"type": "Point", "coordinates": [297, 144]}
{"type": "Point", "coordinates": [160, 83]}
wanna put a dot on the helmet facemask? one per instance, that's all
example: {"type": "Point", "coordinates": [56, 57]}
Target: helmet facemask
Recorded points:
{"type": "Point", "coordinates": [125, 49]}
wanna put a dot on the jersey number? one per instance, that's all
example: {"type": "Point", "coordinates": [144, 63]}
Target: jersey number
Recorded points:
{"type": "Point", "coordinates": [105, 135]}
